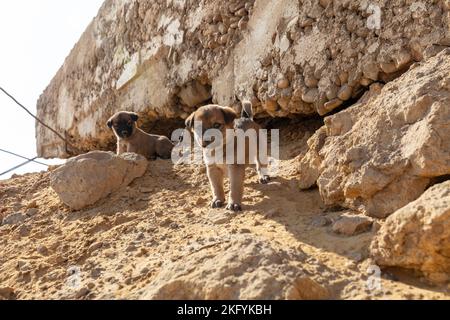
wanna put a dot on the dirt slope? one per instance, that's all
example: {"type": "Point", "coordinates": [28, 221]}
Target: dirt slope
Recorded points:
{"type": "Point", "coordinates": [117, 247]}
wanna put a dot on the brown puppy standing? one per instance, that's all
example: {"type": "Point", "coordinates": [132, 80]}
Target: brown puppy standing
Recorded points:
{"type": "Point", "coordinates": [132, 139]}
{"type": "Point", "coordinates": [223, 118]}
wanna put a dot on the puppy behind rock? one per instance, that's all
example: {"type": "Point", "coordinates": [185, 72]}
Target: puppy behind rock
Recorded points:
{"type": "Point", "coordinates": [132, 139]}
{"type": "Point", "coordinates": [223, 119]}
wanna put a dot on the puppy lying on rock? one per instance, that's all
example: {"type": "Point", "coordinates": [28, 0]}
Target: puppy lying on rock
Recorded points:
{"type": "Point", "coordinates": [132, 139]}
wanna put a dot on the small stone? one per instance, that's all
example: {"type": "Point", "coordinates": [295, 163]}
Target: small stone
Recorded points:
{"type": "Point", "coordinates": [343, 77]}
{"type": "Point", "coordinates": [331, 92]}
{"type": "Point", "coordinates": [283, 83]}
{"type": "Point", "coordinates": [24, 231]}
{"type": "Point", "coordinates": [235, 7]}
{"type": "Point", "coordinates": [345, 92]}
{"type": "Point", "coordinates": [24, 266]}
{"type": "Point", "coordinates": [311, 82]}
{"type": "Point", "coordinates": [365, 82]}
{"type": "Point", "coordinates": [142, 252]}
{"type": "Point", "coordinates": [351, 225]}
{"type": "Point", "coordinates": [82, 293]}
{"type": "Point", "coordinates": [42, 250]}
{"type": "Point", "coordinates": [131, 248]}
{"type": "Point", "coordinates": [166, 222]}
{"type": "Point", "coordinates": [14, 219]}
{"type": "Point", "coordinates": [96, 273]}
{"type": "Point", "coordinates": [333, 104]}
{"type": "Point", "coordinates": [241, 12]}
{"type": "Point", "coordinates": [200, 201]}
{"type": "Point", "coordinates": [402, 58]}
{"type": "Point", "coordinates": [223, 39]}
{"type": "Point", "coordinates": [388, 67]}
{"type": "Point", "coordinates": [242, 24]}
{"type": "Point", "coordinates": [32, 204]}
{"type": "Point", "coordinates": [376, 226]}
{"type": "Point", "coordinates": [145, 271]}
{"type": "Point", "coordinates": [140, 236]}
{"type": "Point", "coordinates": [325, 3]}
{"type": "Point", "coordinates": [174, 226]}
{"type": "Point", "coordinates": [222, 28]}
{"type": "Point", "coordinates": [95, 246]}
{"type": "Point", "coordinates": [219, 217]}
{"type": "Point", "coordinates": [32, 212]}
{"type": "Point", "coordinates": [146, 190]}
{"type": "Point", "coordinates": [244, 231]}
{"type": "Point", "coordinates": [371, 71]}
{"type": "Point", "coordinates": [311, 95]}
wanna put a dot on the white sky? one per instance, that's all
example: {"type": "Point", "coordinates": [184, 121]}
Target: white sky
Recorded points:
{"type": "Point", "coordinates": [35, 38]}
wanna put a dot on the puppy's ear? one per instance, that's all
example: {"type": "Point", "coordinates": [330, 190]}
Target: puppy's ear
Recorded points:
{"type": "Point", "coordinates": [190, 121]}
{"type": "Point", "coordinates": [109, 123]}
{"type": "Point", "coordinates": [247, 110]}
{"type": "Point", "coordinates": [229, 114]}
{"type": "Point", "coordinates": [133, 116]}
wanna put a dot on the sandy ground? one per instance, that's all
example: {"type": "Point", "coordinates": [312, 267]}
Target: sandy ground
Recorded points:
{"type": "Point", "coordinates": [115, 248]}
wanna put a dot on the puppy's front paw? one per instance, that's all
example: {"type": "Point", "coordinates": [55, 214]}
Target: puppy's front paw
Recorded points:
{"type": "Point", "coordinates": [264, 180]}
{"type": "Point", "coordinates": [234, 207]}
{"type": "Point", "coordinates": [215, 204]}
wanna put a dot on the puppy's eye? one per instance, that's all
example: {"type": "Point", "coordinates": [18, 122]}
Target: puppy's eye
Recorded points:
{"type": "Point", "coordinates": [217, 126]}
{"type": "Point", "coordinates": [129, 123]}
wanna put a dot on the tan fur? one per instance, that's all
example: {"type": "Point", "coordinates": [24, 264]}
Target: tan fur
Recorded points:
{"type": "Point", "coordinates": [149, 145]}
{"type": "Point", "coordinates": [210, 116]}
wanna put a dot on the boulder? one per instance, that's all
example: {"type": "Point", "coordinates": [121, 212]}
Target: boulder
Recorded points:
{"type": "Point", "coordinates": [85, 179]}
{"type": "Point", "coordinates": [383, 152]}
{"type": "Point", "coordinates": [245, 267]}
{"type": "Point", "coordinates": [417, 236]}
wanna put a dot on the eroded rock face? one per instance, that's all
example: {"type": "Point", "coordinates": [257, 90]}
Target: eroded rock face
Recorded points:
{"type": "Point", "coordinates": [417, 236]}
{"type": "Point", "coordinates": [382, 153]}
{"type": "Point", "coordinates": [165, 58]}
{"type": "Point", "coordinates": [245, 268]}
{"type": "Point", "coordinates": [85, 179]}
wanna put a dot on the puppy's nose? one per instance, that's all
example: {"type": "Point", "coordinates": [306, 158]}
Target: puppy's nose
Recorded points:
{"type": "Point", "coordinates": [124, 133]}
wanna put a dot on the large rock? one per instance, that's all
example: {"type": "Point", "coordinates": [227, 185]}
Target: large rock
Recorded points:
{"type": "Point", "coordinates": [164, 58]}
{"type": "Point", "coordinates": [383, 152]}
{"type": "Point", "coordinates": [85, 179]}
{"type": "Point", "coordinates": [417, 236]}
{"type": "Point", "coordinates": [244, 268]}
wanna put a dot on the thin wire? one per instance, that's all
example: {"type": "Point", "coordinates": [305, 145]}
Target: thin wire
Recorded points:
{"type": "Point", "coordinates": [43, 124]}
{"type": "Point", "coordinates": [19, 156]}
{"type": "Point", "coordinates": [17, 167]}
{"type": "Point", "coordinates": [36, 118]}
